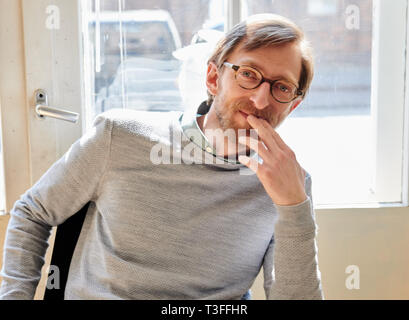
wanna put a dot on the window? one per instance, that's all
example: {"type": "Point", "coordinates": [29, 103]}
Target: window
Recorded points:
{"type": "Point", "coordinates": [134, 56]}
{"type": "Point", "coordinates": [322, 7]}
{"type": "Point", "coordinates": [348, 133]}
{"type": "Point", "coordinates": [337, 132]}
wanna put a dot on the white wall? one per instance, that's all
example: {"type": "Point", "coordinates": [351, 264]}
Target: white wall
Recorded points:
{"type": "Point", "coordinates": [375, 240]}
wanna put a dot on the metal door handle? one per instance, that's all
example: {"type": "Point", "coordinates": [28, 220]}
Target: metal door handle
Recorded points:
{"type": "Point", "coordinates": [43, 110]}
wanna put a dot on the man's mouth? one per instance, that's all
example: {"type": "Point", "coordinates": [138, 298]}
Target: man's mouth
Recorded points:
{"type": "Point", "coordinates": [245, 115]}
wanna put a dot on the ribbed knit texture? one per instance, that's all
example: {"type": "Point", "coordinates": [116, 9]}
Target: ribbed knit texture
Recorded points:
{"type": "Point", "coordinates": [159, 231]}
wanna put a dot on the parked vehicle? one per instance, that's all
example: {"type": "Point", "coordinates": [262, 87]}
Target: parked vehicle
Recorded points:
{"type": "Point", "coordinates": [143, 84]}
{"type": "Point", "coordinates": [143, 75]}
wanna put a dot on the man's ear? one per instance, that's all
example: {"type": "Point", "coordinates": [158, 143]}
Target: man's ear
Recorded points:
{"type": "Point", "coordinates": [212, 78]}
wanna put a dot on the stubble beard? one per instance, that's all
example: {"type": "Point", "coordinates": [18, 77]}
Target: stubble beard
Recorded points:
{"type": "Point", "coordinates": [226, 111]}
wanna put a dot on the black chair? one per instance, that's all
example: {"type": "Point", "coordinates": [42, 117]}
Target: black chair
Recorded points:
{"type": "Point", "coordinates": [66, 239]}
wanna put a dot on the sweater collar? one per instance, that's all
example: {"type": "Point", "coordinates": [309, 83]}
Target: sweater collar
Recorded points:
{"type": "Point", "coordinates": [192, 130]}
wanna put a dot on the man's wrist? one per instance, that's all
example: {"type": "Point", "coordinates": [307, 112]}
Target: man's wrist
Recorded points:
{"type": "Point", "coordinates": [299, 215]}
{"type": "Point", "coordinates": [292, 202]}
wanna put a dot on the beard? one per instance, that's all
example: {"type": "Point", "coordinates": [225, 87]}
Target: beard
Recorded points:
{"type": "Point", "coordinates": [227, 112]}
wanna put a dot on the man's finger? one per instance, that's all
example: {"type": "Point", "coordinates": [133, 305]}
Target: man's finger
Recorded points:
{"type": "Point", "coordinates": [280, 142]}
{"type": "Point", "coordinates": [256, 145]}
{"type": "Point", "coordinates": [264, 133]}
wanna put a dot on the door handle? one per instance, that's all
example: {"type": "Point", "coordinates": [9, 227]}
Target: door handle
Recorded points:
{"type": "Point", "coordinates": [44, 110]}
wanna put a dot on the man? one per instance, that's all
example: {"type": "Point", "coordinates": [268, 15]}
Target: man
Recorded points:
{"type": "Point", "coordinates": [193, 228]}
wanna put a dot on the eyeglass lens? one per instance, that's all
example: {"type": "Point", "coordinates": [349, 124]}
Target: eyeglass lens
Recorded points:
{"type": "Point", "coordinates": [249, 78]}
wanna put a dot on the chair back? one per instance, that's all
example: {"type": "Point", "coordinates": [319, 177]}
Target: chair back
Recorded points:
{"type": "Point", "coordinates": [64, 244]}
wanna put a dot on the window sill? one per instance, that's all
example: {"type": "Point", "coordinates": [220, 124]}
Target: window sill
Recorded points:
{"type": "Point", "coordinates": [353, 206]}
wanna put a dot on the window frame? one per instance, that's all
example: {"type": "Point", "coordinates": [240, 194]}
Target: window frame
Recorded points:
{"type": "Point", "coordinates": [389, 62]}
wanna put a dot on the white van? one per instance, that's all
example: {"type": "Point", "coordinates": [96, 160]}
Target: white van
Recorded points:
{"type": "Point", "coordinates": [144, 75]}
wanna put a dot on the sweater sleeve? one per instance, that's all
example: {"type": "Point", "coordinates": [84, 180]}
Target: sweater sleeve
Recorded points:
{"type": "Point", "coordinates": [290, 263]}
{"type": "Point", "coordinates": [63, 190]}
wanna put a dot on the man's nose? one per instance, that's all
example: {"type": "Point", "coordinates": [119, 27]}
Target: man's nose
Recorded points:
{"type": "Point", "coordinates": [261, 96]}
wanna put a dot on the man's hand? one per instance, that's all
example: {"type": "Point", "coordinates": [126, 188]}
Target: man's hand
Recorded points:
{"type": "Point", "coordinates": [280, 173]}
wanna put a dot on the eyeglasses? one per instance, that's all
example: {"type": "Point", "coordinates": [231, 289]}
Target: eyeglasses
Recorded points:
{"type": "Point", "coordinates": [250, 78]}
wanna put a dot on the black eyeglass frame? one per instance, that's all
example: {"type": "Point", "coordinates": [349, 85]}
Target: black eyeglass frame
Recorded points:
{"type": "Point", "coordinates": [263, 79]}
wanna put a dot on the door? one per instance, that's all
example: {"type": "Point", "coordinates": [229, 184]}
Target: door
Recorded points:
{"type": "Point", "coordinates": [53, 78]}
{"type": "Point", "coordinates": [52, 61]}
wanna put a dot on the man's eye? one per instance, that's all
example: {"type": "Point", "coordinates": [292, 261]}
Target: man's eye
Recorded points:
{"type": "Point", "coordinates": [248, 74]}
{"type": "Point", "coordinates": [283, 87]}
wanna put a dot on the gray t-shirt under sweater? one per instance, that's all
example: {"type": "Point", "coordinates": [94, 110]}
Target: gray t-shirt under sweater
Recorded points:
{"type": "Point", "coordinates": [194, 230]}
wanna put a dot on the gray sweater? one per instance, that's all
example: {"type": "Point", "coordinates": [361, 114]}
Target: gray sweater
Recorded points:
{"type": "Point", "coordinates": [195, 230]}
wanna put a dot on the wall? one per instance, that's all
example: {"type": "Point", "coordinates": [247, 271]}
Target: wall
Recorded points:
{"type": "Point", "coordinates": [376, 240]}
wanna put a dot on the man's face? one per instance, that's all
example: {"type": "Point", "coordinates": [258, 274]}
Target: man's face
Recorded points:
{"type": "Point", "coordinates": [231, 101]}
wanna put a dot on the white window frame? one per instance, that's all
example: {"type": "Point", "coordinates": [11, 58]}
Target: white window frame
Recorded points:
{"type": "Point", "coordinates": [234, 13]}
{"type": "Point", "coordinates": [13, 109]}
{"type": "Point", "coordinates": [389, 101]}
